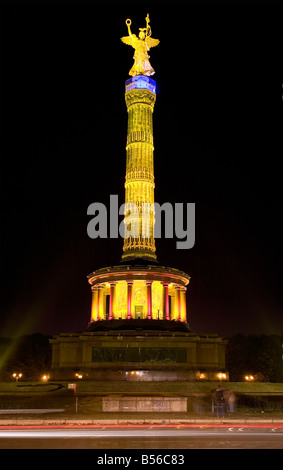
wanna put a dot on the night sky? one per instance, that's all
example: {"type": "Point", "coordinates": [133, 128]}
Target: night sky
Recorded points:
{"type": "Point", "coordinates": [217, 136]}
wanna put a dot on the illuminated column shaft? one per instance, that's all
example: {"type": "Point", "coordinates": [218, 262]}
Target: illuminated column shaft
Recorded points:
{"type": "Point", "coordinates": [94, 304]}
{"type": "Point", "coordinates": [177, 303]}
{"type": "Point", "coordinates": [149, 299]}
{"type": "Point", "coordinates": [180, 306]}
{"type": "Point", "coordinates": [183, 305]}
{"type": "Point", "coordinates": [165, 302]}
{"type": "Point", "coordinates": [112, 300]}
{"type": "Point", "coordinates": [100, 303]}
{"type": "Point", "coordinates": [139, 184]}
{"type": "Point", "coordinates": [129, 299]}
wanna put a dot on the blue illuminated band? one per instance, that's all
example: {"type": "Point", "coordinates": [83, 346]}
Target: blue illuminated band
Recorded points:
{"type": "Point", "coordinates": [141, 82]}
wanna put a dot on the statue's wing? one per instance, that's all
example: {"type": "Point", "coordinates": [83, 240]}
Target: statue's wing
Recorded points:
{"type": "Point", "coordinates": [127, 40]}
{"type": "Point", "coordinates": [152, 42]}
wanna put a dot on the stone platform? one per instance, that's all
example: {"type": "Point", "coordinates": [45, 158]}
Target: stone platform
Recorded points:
{"type": "Point", "coordinates": [138, 350]}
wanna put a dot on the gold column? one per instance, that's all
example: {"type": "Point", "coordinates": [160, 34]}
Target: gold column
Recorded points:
{"type": "Point", "coordinates": [100, 313]}
{"type": "Point", "coordinates": [180, 307]}
{"type": "Point", "coordinates": [177, 303]}
{"type": "Point", "coordinates": [94, 304]}
{"type": "Point", "coordinates": [112, 300]}
{"type": "Point", "coordinates": [129, 299]}
{"type": "Point", "coordinates": [149, 299]}
{"type": "Point", "coordinates": [165, 301]}
{"type": "Point", "coordinates": [139, 183]}
{"type": "Point", "coordinates": [183, 304]}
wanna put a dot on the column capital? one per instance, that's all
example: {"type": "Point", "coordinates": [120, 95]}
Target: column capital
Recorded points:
{"type": "Point", "coordinates": [178, 287]}
{"type": "Point", "coordinates": [135, 96]}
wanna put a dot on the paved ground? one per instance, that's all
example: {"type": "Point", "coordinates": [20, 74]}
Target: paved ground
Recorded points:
{"type": "Point", "coordinates": [143, 438]}
{"type": "Point", "coordinates": [50, 429]}
{"type": "Point", "coordinates": [30, 417]}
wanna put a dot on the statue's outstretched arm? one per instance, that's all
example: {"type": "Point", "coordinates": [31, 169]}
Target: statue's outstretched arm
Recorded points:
{"type": "Point", "coordinates": [128, 23]}
{"type": "Point", "coordinates": [131, 39]}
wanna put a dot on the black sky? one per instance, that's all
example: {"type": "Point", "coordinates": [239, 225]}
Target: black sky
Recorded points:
{"type": "Point", "coordinates": [217, 135]}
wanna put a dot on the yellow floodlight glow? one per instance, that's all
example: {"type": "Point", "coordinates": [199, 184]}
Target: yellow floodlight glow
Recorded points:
{"type": "Point", "coordinates": [249, 378]}
{"type": "Point", "coordinates": [17, 376]}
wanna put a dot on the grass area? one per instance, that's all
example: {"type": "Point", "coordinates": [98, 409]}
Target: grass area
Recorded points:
{"type": "Point", "coordinates": [139, 387]}
{"type": "Point", "coordinates": [32, 387]}
{"type": "Point", "coordinates": [176, 388]}
{"type": "Point", "coordinates": [34, 395]}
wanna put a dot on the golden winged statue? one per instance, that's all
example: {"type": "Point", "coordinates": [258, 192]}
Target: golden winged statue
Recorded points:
{"type": "Point", "coordinates": [141, 44]}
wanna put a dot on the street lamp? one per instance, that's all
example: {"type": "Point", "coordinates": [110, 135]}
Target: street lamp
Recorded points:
{"type": "Point", "coordinates": [17, 376]}
{"type": "Point", "coordinates": [45, 377]}
{"type": "Point", "coordinates": [249, 378]}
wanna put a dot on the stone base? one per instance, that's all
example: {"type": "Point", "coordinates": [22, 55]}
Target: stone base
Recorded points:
{"type": "Point", "coordinates": [144, 404]}
{"type": "Point", "coordinates": [138, 354]}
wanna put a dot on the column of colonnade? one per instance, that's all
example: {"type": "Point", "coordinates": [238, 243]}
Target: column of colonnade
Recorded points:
{"type": "Point", "coordinates": [94, 291]}
{"type": "Point", "coordinates": [112, 300]}
{"type": "Point", "coordinates": [179, 308]}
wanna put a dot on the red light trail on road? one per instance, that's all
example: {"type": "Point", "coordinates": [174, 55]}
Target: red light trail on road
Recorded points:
{"type": "Point", "coordinates": [144, 426]}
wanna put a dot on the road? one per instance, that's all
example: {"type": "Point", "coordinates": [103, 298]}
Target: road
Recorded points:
{"type": "Point", "coordinates": [146, 437]}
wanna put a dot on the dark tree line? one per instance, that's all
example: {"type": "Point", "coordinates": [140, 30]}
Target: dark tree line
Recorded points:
{"type": "Point", "coordinates": [28, 354]}
{"type": "Point", "coordinates": [260, 356]}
